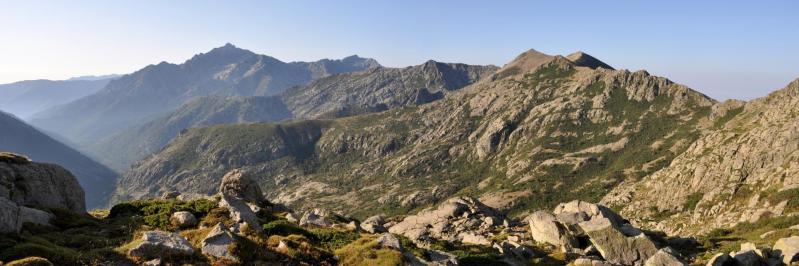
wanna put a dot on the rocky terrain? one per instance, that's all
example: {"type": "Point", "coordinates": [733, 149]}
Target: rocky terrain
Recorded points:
{"type": "Point", "coordinates": [95, 178]}
{"type": "Point", "coordinates": [158, 89]}
{"type": "Point", "coordinates": [540, 131]}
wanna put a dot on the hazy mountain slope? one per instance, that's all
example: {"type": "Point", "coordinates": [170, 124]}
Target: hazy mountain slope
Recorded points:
{"type": "Point", "coordinates": [743, 170]}
{"type": "Point", "coordinates": [120, 150]}
{"type": "Point", "coordinates": [26, 98]}
{"type": "Point", "coordinates": [540, 131]}
{"type": "Point", "coordinates": [338, 95]}
{"type": "Point", "coordinates": [380, 89]}
{"type": "Point", "coordinates": [97, 180]}
{"type": "Point", "coordinates": [158, 89]}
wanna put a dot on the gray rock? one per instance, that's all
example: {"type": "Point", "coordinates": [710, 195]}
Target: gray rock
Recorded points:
{"type": "Point", "coordinates": [292, 217]}
{"type": "Point", "coordinates": [160, 244]}
{"type": "Point", "coordinates": [721, 259]}
{"type": "Point", "coordinates": [580, 210]}
{"type": "Point", "coordinates": [237, 183]}
{"type": "Point", "coordinates": [590, 262]}
{"type": "Point", "coordinates": [546, 229]}
{"type": "Point", "coordinates": [614, 245]}
{"type": "Point", "coordinates": [41, 185]}
{"type": "Point", "coordinates": [664, 257]}
{"type": "Point", "coordinates": [388, 240]}
{"type": "Point", "coordinates": [240, 213]}
{"type": "Point", "coordinates": [217, 244]}
{"type": "Point", "coordinates": [317, 217]}
{"type": "Point", "coordinates": [787, 249]}
{"type": "Point", "coordinates": [450, 221]}
{"type": "Point", "coordinates": [183, 219]}
{"type": "Point", "coordinates": [13, 216]}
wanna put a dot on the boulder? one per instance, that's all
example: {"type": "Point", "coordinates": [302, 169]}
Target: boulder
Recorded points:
{"type": "Point", "coordinates": [374, 225]}
{"type": "Point", "coordinates": [240, 213]}
{"type": "Point", "coordinates": [292, 217]}
{"type": "Point", "coordinates": [721, 259]}
{"type": "Point", "coordinates": [614, 245]}
{"type": "Point", "coordinates": [183, 219]}
{"type": "Point", "coordinates": [471, 238]}
{"type": "Point", "coordinates": [747, 258]}
{"type": "Point", "coordinates": [787, 249]}
{"type": "Point", "coordinates": [237, 183]}
{"type": "Point", "coordinates": [41, 185]}
{"type": "Point", "coordinates": [218, 242]}
{"type": "Point", "coordinates": [388, 240]}
{"type": "Point", "coordinates": [664, 257]}
{"type": "Point", "coordinates": [577, 211]}
{"type": "Point", "coordinates": [160, 244]}
{"type": "Point", "coordinates": [545, 228]}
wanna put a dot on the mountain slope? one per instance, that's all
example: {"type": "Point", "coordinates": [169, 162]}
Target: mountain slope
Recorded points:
{"type": "Point", "coordinates": [338, 95]}
{"type": "Point", "coordinates": [158, 89]}
{"type": "Point", "coordinates": [26, 98]}
{"type": "Point", "coordinates": [97, 180]}
{"type": "Point", "coordinates": [743, 170]}
{"type": "Point", "coordinates": [541, 131]}
{"type": "Point", "coordinates": [132, 144]}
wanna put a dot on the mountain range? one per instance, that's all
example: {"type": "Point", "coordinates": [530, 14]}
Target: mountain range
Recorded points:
{"type": "Point", "coordinates": [26, 98]}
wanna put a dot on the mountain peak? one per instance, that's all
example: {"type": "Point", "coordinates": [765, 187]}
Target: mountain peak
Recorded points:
{"type": "Point", "coordinates": [582, 59]}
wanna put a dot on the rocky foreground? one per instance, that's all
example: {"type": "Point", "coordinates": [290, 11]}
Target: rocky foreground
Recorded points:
{"type": "Point", "coordinates": [238, 226]}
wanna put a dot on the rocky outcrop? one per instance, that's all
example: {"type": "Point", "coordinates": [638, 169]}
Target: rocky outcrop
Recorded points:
{"type": "Point", "coordinates": [28, 188]}
{"type": "Point", "coordinates": [374, 224]}
{"type": "Point", "coordinates": [460, 219]}
{"type": "Point", "coordinates": [241, 213]}
{"type": "Point", "coordinates": [787, 249]}
{"type": "Point", "coordinates": [546, 229]}
{"type": "Point", "coordinates": [160, 244]}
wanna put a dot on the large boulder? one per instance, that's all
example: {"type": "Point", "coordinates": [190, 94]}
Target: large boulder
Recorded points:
{"type": "Point", "coordinates": [747, 258]}
{"type": "Point", "coordinates": [787, 249]}
{"type": "Point", "coordinates": [14, 216]}
{"type": "Point", "coordinates": [389, 241]}
{"type": "Point", "coordinates": [316, 217]}
{"type": "Point", "coordinates": [218, 242]}
{"type": "Point", "coordinates": [41, 185]}
{"type": "Point", "coordinates": [160, 244]}
{"type": "Point", "coordinates": [614, 245]}
{"type": "Point", "coordinates": [721, 259]}
{"type": "Point", "coordinates": [545, 228]}
{"type": "Point", "coordinates": [577, 211]}
{"type": "Point", "coordinates": [237, 183]}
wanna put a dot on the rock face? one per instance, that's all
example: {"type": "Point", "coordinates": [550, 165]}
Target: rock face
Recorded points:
{"type": "Point", "coordinates": [730, 174]}
{"type": "Point", "coordinates": [787, 249]}
{"type": "Point", "coordinates": [614, 245]}
{"type": "Point", "coordinates": [237, 184]}
{"type": "Point", "coordinates": [218, 244]}
{"type": "Point", "coordinates": [458, 219]}
{"type": "Point", "coordinates": [28, 185]}
{"type": "Point", "coordinates": [160, 244]}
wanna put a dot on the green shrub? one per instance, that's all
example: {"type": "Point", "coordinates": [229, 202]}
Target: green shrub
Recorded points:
{"type": "Point", "coordinates": [156, 213]}
{"type": "Point", "coordinates": [333, 239]}
{"type": "Point", "coordinates": [692, 200]}
{"type": "Point", "coordinates": [284, 228]}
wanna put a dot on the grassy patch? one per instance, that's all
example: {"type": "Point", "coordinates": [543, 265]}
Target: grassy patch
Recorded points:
{"type": "Point", "coordinates": [366, 251]}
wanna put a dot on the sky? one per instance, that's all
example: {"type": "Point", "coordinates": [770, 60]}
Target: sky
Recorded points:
{"type": "Point", "coordinates": [725, 49]}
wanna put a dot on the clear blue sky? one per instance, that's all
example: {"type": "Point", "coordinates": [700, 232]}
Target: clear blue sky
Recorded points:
{"type": "Point", "coordinates": [727, 49]}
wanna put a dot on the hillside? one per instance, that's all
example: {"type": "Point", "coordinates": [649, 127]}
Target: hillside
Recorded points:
{"type": "Point", "coordinates": [156, 90]}
{"type": "Point", "coordinates": [26, 98]}
{"type": "Point", "coordinates": [338, 95]}
{"type": "Point", "coordinates": [741, 172]}
{"type": "Point", "coordinates": [540, 131]}
{"type": "Point", "coordinates": [97, 180]}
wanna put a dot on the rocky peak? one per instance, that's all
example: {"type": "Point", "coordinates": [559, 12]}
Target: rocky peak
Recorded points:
{"type": "Point", "coordinates": [526, 61]}
{"type": "Point", "coordinates": [585, 60]}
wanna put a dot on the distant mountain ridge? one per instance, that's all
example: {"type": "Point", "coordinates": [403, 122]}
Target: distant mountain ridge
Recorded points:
{"type": "Point", "coordinates": [159, 89]}
{"type": "Point", "coordinates": [26, 98]}
{"type": "Point", "coordinates": [345, 94]}
{"type": "Point", "coordinates": [97, 180]}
